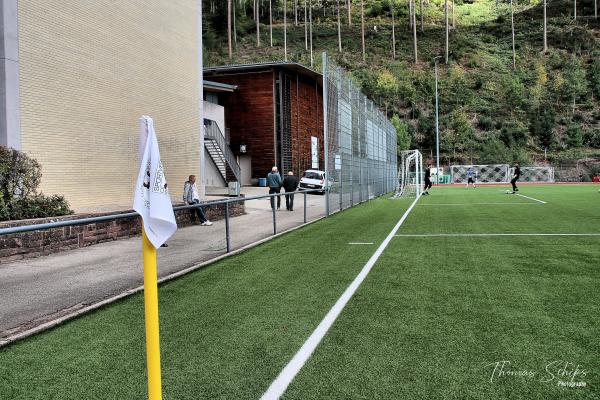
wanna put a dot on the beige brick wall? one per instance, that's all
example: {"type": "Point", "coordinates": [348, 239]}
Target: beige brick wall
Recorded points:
{"type": "Point", "coordinates": [89, 70]}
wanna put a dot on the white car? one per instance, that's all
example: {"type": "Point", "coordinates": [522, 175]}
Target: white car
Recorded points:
{"type": "Point", "coordinates": [313, 179]}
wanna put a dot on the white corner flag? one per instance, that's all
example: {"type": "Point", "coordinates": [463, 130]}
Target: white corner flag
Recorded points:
{"type": "Point", "coordinates": [151, 198]}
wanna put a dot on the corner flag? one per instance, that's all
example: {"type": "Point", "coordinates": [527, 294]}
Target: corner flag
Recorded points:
{"type": "Point", "coordinates": [153, 203]}
{"type": "Point", "coordinates": [152, 200]}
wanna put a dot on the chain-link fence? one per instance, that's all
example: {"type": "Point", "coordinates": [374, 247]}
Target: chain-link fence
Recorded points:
{"type": "Point", "coordinates": [360, 152]}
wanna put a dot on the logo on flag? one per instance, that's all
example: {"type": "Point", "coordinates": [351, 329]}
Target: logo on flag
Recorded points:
{"type": "Point", "coordinates": [151, 199]}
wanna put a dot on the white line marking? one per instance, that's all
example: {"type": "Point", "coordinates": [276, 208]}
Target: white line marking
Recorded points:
{"type": "Point", "coordinates": [495, 234]}
{"type": "Point", "coordinates": [478, 204]}
{"type": "Point", "coordinates": [280, 384]}
{"type": "Point", "coordinates": [531, 198]}
{"type": "Point", "coordinates": [358, 243]}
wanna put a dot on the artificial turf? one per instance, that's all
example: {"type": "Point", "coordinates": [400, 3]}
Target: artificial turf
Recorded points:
{"type": "Point", "coordinates": [426, 323]}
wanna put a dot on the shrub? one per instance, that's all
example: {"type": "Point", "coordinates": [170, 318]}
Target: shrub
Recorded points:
{"type": "Point", "coordinates": [574, 136]}
{"type": "Point", "coordinates": [485, 123]}
{"type": "Point", "coordinates": [20, 177]}
{"type": "Point", "coordinates": [591, 138]}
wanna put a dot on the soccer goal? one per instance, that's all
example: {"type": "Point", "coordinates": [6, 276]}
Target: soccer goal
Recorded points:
{"type": "Point", "coordinates": [410, 174]}
{"type": "Point", "coordinates": [500, 173]}
{"type": "Point", "coordinates": [536, 174]}
{"type": "Point", "coordinates": [495, 173]}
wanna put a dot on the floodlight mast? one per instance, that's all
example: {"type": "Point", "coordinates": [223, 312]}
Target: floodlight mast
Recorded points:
{"type": "Point", "coordinates": [437, 124]}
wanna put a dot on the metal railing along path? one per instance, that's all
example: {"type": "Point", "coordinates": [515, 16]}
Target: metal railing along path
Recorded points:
{"type": "Point", "coordinates": [131, 215]}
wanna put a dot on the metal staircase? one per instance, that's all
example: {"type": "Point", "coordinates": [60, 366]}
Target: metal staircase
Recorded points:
{"type": "Point", "coordinates": [220, 153]}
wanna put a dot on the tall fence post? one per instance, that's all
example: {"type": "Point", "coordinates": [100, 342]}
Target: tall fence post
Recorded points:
{"type": "Point", "coordinates": [227, 233]}
{"type": "Point", "coordinates": [274, 213]}
{"type": "Point", "coordinates": [326, 133]}
{"type": "Point", "coordinates": [304, 207]}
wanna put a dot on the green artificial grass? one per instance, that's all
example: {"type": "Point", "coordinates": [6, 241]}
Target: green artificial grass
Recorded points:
{"type": "Point", "coordinates": [435, 312]}
{"type": "Point", "coordinates": [428, 320]}
{"type": "Point", "coordinates": [226, 330]}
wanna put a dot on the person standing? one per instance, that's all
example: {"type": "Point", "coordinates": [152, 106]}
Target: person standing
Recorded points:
{"type": "Point", "coordinates": [190, 196]}
{"type": "Point", "coordinates": [470, 177]}
{"type": "Point", "coordinates": [274, 182]}
{"type": "Point", "coordinates": [290, 184]}
{"type": "Point", "coordinates": [427, 179]}
{"type": "Point", "coordinates": [515, 178]}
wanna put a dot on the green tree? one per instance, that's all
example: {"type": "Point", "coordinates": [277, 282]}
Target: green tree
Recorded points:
{"type": "Point", "coordinates": [594, 74]}
{"type": "Point", "coordinates": [402, 134]}
{"type": "Point", "coordinates": [574, 136]}
{"type": "Point", "coordinates": [575, 80]}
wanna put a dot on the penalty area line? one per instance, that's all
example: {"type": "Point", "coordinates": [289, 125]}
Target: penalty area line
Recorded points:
{"type": "Point", "coordinates": [287, 375]}
{"type": "Point", "coordinates": [358, 243]}
{"type": "Point", "coordinates": [531, 198]}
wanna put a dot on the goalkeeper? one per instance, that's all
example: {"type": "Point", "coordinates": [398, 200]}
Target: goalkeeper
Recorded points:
{"type": "Point", "coordinates": [427, 179]}
{"type": "Point", "coordinates": [515, 178]}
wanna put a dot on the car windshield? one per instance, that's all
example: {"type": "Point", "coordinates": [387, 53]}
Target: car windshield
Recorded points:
{"type": "Point", "coordinates": [312, 175]}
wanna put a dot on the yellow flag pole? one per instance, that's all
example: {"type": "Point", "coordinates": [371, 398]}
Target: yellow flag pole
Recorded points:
{"type": "Point", "coordinates": [151, 307]}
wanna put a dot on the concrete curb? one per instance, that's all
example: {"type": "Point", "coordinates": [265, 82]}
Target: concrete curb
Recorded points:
{"type": "Point", "coordinates": [82, 311]}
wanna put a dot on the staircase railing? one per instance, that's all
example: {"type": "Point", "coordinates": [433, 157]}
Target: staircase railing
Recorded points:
{"type": "Point", "coordinates": [213, 132]}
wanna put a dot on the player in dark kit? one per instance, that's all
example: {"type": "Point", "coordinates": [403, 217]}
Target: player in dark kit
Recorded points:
{"type": "Point", "coordinates": [515, 178]}
{"type": "Point", "coordinates": [427, 179]}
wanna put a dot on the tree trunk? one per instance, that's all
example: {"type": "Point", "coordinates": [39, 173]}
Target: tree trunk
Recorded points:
{"type": "Point", "coordinates": [447, 28]}
{"type": "Point", "coordinates": [339, 27]}
{"type": "Point", "coordinates": [453, 19]}
{"type": "Point", "coordinates": [257, 17]}
{"type": "Point", "coordinates": [349, 12]}
{"type": "Point", "coordinates": [271, 21]}
{"type": "Point", "coordinates": [393, 32]}
{"type": "Point", "coordinates": [295, 12]}
{"type": "Point", "coordinates": [575, 9]}
{"type": "Point", "coordinates": [234, 28]}
{"type": "Point", "coordinates": [512, 22]}
{"type": "Point", "coordinates": [545, 29]}
{"type": "Point", "coordinates": [285, 30]}
{"type": "Point", "coordinates": [362, 23]}
{"type": "Point", "coordinates": [414, 25]}
{"type": "Point", "coordinates": [305, 27]}
{"type": "Point", "coordinates": [229, 29]}
{"type": "Point", "coordinates": [422, 20]}
{"type": "Point", "coordinates": [410, 13]}
{"type": "Point", "coordinates": [312, 59]}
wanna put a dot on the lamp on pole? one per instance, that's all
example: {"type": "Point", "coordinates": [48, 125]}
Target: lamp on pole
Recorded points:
{"type": "Point", "coordinates": [437, 124]}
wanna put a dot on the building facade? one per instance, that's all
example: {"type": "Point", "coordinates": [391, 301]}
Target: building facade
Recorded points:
{"type": "Point", "coordinates": [75, 76]}
{"type": "Point", "coordinates": [274, 118]}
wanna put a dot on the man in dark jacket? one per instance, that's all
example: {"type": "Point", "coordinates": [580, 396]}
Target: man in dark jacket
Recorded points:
{"type": "Point", "coordinates": [274, 182]}
{"type": "Point", "coordinates": [515, 178]}
{"type": "Point", "coordinates": [290, 184]}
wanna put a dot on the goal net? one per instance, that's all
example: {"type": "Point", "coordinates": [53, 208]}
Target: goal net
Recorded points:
{"type": "Point", "coordinates": [410, 174]}
{"type": "Point", "coordinates": [500, 173]}
{"type": "Point", "coordinates": [535, 174]}
{"type": "Point", "coordinates": [495, 173]}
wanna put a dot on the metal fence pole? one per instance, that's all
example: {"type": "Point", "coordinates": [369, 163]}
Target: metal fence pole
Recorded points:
{"type": "Point", "coordinates": [304, 207]}
{"type": "Point", "coordinates": [227, 232]}
{"type": "Point", "coordinates": [326, 133]}
{"type": "Point", "coordinates": [274, 215]}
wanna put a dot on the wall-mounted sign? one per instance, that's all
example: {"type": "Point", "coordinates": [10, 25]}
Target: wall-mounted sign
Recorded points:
{"type": "Point", "coordinates": [338, 162]}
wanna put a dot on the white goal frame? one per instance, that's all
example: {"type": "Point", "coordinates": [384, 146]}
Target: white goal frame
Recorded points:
{"type": "Point", "coordinates": [410, 174]}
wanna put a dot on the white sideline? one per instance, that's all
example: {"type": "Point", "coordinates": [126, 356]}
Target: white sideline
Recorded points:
{"type": "Point", "coordinates": [358, 243]}
{"type": "Point", "coordinates": [478, 204]}
{"type": "Point", "coordinates": [495, 234]}
{"type": "Point", "coordinates": [531, 198]}
{"type": "Point", "coordinates": [287, 375]}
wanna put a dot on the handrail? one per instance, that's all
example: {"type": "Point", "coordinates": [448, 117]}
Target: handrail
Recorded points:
{"type": "Point", "coordinates": [213, 132]}
{"type": "Point", "coordinates": [129, 215]}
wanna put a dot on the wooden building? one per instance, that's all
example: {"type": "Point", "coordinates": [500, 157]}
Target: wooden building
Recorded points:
{"type": "Point", "coordinates": [274, 117]}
